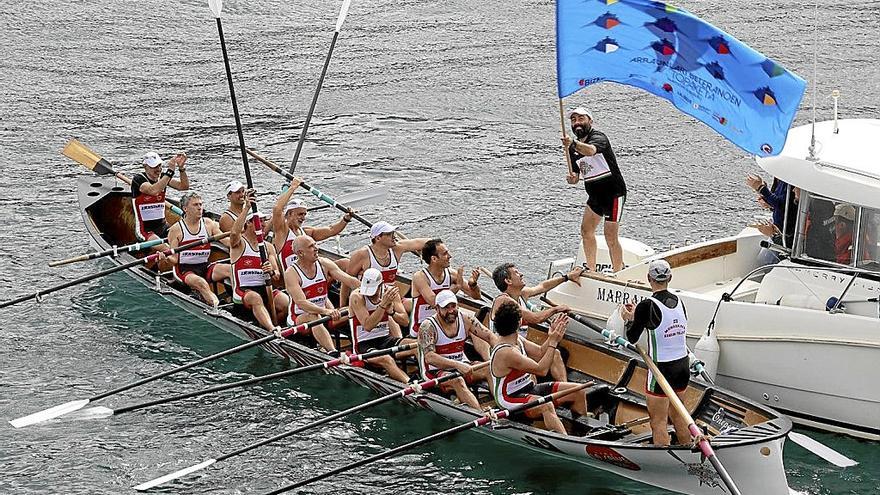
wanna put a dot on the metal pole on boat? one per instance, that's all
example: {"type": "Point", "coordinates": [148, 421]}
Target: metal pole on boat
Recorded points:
{"type": "Point", "coordinates": [343, 11]}
{"type": "Point", "coordinates": [216, 6]}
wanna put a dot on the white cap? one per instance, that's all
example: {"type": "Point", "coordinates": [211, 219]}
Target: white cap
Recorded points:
{"type": "Point", "coordinates": [294, 204]}
{"type": "Point", "coordinates": [251, 216]}
{"type": "Point", "coordinates": [845, 211]}
{"type": "Point", "coordinates": [659, 271]}
{"type": "Point", "coordinates": [371, 281]}
{"type": "Point", "coordinates": [234, 186]}
{"type": "Point", "coordinates": [152, 159]}
{"type": "Point", "coordinates": [580, 111]}
{"type": "Point", "coordinates": [380, 228]}
{"type": "Point", "coordinates": [444, 298]}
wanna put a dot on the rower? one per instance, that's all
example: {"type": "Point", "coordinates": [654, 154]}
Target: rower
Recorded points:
{"type": "Point", "coordinates": [664, 317]}
{"type": "Point", "coordinates": [513, 372]}
{"type": "Point", "coordinates": [307, 282]}
{"type": "Point", "coordinates": [429, 281]}
{"type": "Point", "coordinates": [148, 195]}
{"type": "Point", "coordinates": [193, 267]}
{"type": "Point", "coordinates": [249, 273]}
{"type": "Point", "coordinates": [371, 305]}
{"type": "Point", "coordinates": [383, 254]}
{"type": "Point", "coordinates": [287, 222]}
{"type": "Point", "coordinates": [235, 194]}
{"type": "Point", "coordinates": [442, 348]}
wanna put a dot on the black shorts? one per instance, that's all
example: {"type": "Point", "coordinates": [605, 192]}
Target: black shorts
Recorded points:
{"type": "Point", "coordinates": [158, 227]}
{"type": "Point", "coordinates": [540, 389]}
{"type": "Point", "coordinates": [385, 342]}
{"type": "Point", "coordinates": [677, 373]}
{"type": "Point", "coordinates": [607, 206]}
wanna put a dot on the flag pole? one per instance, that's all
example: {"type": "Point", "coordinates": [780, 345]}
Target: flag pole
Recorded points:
{"type": "Point", "coordinates": [564, 135]}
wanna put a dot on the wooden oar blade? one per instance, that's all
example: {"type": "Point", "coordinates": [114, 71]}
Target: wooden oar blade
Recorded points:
{"type": "Point", "coordinates": [173, 476]}
{"type": "Point", "coordinates": [47, 414]}
{"type": "Point", "coordinates": [86, 157]}
{"type": "Point", "coordinates": [822, 450]}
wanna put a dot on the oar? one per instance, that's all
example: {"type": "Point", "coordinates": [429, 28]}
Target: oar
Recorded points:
{"type": "Point", "coordinates": [481, 421]}
{"type": "Point", "coordinates": [673, 399]}
{"type": "Point", "coordinates": [359, 198]}
{"type": "Point", "coordinates": [75, 405]}
{"type": "Point", "coordinates": [820, 449]}
{"type": "Point", "coordinates": [142, 261]}
{"type": "Point", "coordinates": [415, 388]}
{"type": "Point", "coordinates": [114, 251]}
{"type": "Point", "coordinates": [86, 157]}
{"type": "Point", "coordinates": [105, 412]}
{"type": "Point", "coordinates": [343, 11]}
{"type": "Point", "coordinates": [216, 6]}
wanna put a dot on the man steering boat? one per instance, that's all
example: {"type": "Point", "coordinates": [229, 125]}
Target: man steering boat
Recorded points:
{"type": "Point", "coordinates": [148, 195]}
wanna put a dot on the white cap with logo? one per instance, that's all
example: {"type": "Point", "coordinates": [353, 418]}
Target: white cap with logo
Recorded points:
{"type": "Point", "coordinates": [380, 228]}
{"type": "Point", "coordinates": [295, 204]}
{"type": "Point", "coordinates": [152, 159]}
{"type": "Point", "coordinates": [659, 271]}
{"type": "Point", "coordinates": [234, 186]}
{"type": "Point", "coordinates": [371, 281]}
{"type": "Point", "coordinates": [444, 298]}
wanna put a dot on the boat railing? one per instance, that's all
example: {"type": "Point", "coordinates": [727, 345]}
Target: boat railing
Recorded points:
{"type": "Point", "coordinates": [833, 304]}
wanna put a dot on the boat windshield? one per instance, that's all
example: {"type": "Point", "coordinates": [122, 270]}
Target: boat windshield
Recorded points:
{"type": "Point", "coordinates": [838, 232]}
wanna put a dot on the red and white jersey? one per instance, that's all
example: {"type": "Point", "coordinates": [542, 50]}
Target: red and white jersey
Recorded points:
{"type": "Point", "coordinates": [359, 334]}
{"type": "Point", "coordinates": [446, 346]}
{"type": "Point", "coordinates": [286, 256]}
{"type": "Point", "coordinates": [147, 208]}
{"type": "Point", "coordinates": [389, 272]}
{"type": "Point", "coordinates": [421, 309]}
{"type": "Point", "coordinates": [198, 255]}
{"type": "Point", "coordinates": [512, 382]}
{"type": "Point", "coordinates": [316, 290]}
{"type": "Point", "coordinates": [247, 272]}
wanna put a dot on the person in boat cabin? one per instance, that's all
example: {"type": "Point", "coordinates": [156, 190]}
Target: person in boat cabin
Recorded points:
{"type": "Point", "coordinates": [429, 281]}
{"type": "Point", "coordinates": [148, 195]}
{"type": "Point", "coordinates": [774, 199]}
{"type": "Point", "coordinates": [193, 267]}
{"type": "Point", "coordinates": [441, 350]}
{"type": "Point", "coordinates": [844, 219]}
{"type": "Point", "coordinates": [510, 281]}
{"type": "Point", "coordinates": [377, 316]}
{"type": "Point", "coordinates": [383, 253]}
{"type": "Point", "coordinates": [513, 372]}
{"type": "Point", "coordinates": [235, 194]}
{"type": "Point", "coordinates": [287, 222]}
{"type": "Point", "coordinates": [664, 317]}
{"type": "Point", "coordinates": [308, 283]}
{"type": "Point", "coordinates": [593, 160]}
{"type": "Point", "coordinates": [249, 272]}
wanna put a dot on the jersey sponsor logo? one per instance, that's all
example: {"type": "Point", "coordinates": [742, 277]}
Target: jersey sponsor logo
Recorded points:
{"type": "Point", "coordinates": [617, 296]}
{"type": "Point", "coordinates": [611, 456]}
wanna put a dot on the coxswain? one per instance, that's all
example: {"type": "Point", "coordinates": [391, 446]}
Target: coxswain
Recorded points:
{"type": "Point", "coordinates": [249, 272]}
{"type": "Point", "coordinates": [192, 266]}
{"type": "Point", "coordinates": [148, 195]}
{"type": "Point", "coordinates": [663, 316]}
{"type": "Point", "coordinates": [377, 315]}
{"type": "Point", "coordinates": [287, 222]}
{"type": "Point", "coordinates": [442, 339]}
{"type": "Point", "coordinates": [513, 372]}
{"type": "Point", "coordinates": [429, 281]}
{"type": "Point", "coordinates": [307, 282]}
{"type": "Point", "coordinates": [235, 195]}
{"type": "Point", "coordinates": [383, 253]}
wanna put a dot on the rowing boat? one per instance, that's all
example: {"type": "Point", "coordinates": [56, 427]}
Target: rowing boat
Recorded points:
{"type": "Point", "coordinates": [747, 436]}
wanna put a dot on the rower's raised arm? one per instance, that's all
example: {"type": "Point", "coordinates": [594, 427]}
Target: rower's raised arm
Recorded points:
{"type": "Point", "coordinates": [410, 246]}
{"type": "Point", "coordinates": [278, 223]}
{"type": "Point", "coordinates": [344, 278]}
{"type": "Point", "coordinates": [238, 225]}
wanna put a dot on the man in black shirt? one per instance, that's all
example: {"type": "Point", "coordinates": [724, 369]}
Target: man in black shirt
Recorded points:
{"type": "Point", "coordinates": [148, 195]}
{"type": "Point", "coordinates": [593, 160]}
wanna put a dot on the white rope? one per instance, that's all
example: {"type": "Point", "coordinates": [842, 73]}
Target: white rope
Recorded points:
{"type": "Point", "coordinates": [417, 387]}
{"type": "Point", "coordinates": [345, 359]}
{"type": "Point", "coordinates": [116, 252]}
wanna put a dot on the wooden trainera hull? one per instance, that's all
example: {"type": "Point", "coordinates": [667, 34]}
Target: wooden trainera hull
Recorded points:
{"type": "Point", "coordinates": [750, 447]}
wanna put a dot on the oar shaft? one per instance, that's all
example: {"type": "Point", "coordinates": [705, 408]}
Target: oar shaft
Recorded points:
{"type": "Point", "coordinates": [138, 246]}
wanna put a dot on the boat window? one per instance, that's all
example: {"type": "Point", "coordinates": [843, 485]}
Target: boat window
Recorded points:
{"type": "Point", "coordinates": [868, 242]}
{"type": "Point", "coordinates": [817, 232]}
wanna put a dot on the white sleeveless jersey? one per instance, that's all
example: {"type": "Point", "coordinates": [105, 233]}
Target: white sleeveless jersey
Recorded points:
{"type": "Point", "coordinates": [421, 310]}
{"type": "Point", "coordinates": [667, 342]}
{"type": "Point", "coordinates": [446, 346]}
{"type": "Point", "coordinates": [389, 271]}
{"type": "Point", "coordinates": [359, 334]}
{"type": "Point", "coordinates": [198, 255]}
{"type": "Point", "coordinates": [316, 290]}
{"type": "Point", "coordinates": [286, 256]}
{"type": "Point", "coordinates": [514, 381]}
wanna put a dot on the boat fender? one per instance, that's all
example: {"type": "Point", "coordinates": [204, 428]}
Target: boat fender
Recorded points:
{"type": "Point", "coordinates": [708, 351]}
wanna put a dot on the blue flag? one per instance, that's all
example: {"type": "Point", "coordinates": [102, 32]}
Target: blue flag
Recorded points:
{"type": "Point", "coordinates": [706, 73]}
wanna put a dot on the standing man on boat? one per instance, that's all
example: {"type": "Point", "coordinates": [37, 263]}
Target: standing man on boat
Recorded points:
{"type": "Point", "coordinates": [235, 194]}
{"type": "Point", "coordinates": [287, 222]}
{"type": "Point", "coordinates": [249, 272]}
{"type": "Point", "coordinates": [442, 340]}
{"type": "Point", "coordinates": [377, 315]}
{"type": "Point", "coordinates": [429, 281]}
{"type": "Point", "coordinates": [307, 282]}
{"type": "Point", "coordinates": [193, 267]}
{"type": "Point", "coordinates": [663, 316]}
{"type": "Point", "coordinates": [148, 195]}
{"type": "Point", "coordinates": [513, 371]}
{"type": "Point", "coordinates": [593, 160]}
